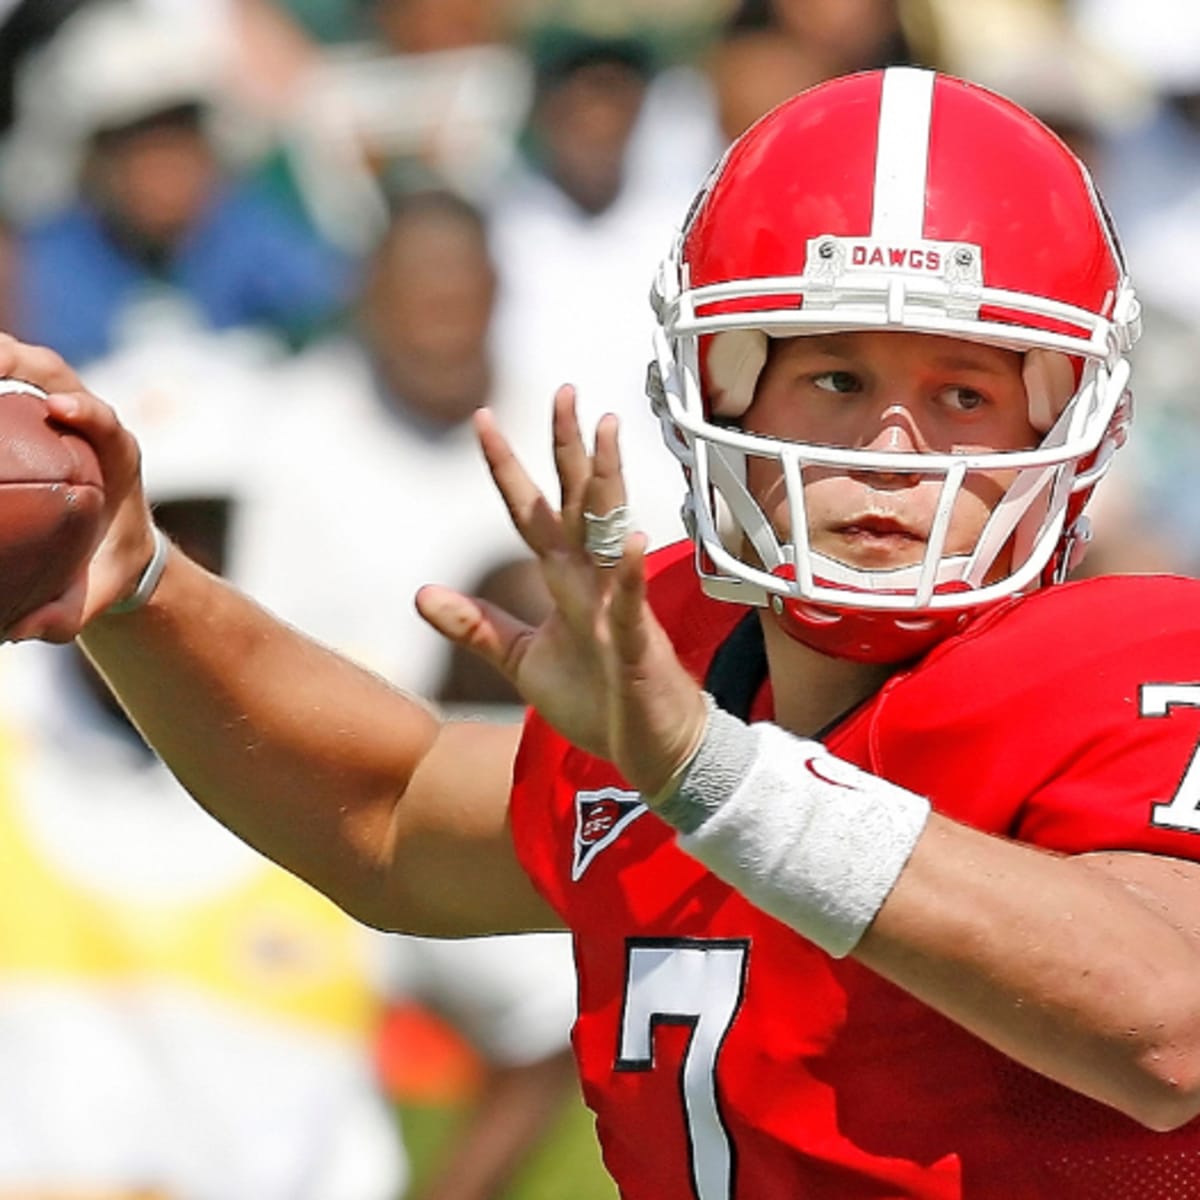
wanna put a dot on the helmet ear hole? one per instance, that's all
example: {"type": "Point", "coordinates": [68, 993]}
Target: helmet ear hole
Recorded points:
{"type": "Point", "coordinates": [732, 365]}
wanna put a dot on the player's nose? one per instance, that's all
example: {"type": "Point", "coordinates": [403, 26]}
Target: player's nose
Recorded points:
{"type": "Point", "coordinates": [892, 430]}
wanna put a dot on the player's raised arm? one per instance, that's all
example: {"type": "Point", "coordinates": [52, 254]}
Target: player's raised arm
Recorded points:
{"type": "Point", "coordinates": [321, 765]}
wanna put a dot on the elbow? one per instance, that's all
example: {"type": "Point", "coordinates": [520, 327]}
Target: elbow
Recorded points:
{"type": "Point", "coordinates": [1149, 1056]}
{"type": "Point", "coordinates": [1165, 1102]}
{"type": "Point", "coordinates": [1164, 1094]}
{"type": "Point", "coordinates": [1165, 1112]}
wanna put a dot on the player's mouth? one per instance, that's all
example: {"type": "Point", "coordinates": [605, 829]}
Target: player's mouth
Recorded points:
{"type": "Point", "coordinates": [878, 540]}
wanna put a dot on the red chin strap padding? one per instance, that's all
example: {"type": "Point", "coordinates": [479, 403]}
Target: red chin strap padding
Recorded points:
{"type": "Point", "coordinates": [865, 635]}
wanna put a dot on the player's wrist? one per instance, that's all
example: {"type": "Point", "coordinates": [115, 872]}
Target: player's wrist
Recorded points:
{"type": "Point", "coordinates": [722, 758]}
{"type": "Point", "coordinates": [669, 788]}
{"type": "Point", "coordinates": [148, 580]}
{"type": "Point", "coordinates": [805, 836]}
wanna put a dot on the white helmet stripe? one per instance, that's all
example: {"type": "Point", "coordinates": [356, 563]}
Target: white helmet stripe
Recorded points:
{"type": "Point", "coordinates": [902, 156]}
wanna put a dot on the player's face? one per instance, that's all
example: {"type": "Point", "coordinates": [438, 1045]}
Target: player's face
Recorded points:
{"type": "Point", "coordinates": [887, 391]}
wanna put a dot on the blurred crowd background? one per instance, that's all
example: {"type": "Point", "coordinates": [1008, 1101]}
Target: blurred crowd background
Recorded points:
{"type": "Point", "coordinates": [297, 243]}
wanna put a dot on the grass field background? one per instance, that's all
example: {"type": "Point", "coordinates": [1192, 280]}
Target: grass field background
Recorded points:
{"type": "Point", "coordinates": [566, 1166]}
{"type": "Point", "coordinates": [431, 1075]}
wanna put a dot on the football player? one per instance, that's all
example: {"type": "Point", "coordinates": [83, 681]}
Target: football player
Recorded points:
{"type": "Point", "coordinates": [877, 836]}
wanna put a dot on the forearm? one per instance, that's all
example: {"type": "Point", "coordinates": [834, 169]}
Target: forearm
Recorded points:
{"type": "Point", "coordinates": [1055, 961]}
{"type": "Point", "coordinates": [1082, 968]}
{"type": "Point", "coordinates": [300, 752]}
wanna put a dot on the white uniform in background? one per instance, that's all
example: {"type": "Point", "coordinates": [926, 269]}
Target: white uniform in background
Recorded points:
{"type": "Point", "coordinates": [178, 1014]}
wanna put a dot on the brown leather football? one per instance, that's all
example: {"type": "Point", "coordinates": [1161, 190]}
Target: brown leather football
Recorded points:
{"type": "Point", "coordinates": [51, 504]}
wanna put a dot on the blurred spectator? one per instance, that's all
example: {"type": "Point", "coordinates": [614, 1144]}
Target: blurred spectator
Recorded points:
{"type": "Point", "coordinates": [179, 1018]}
{"type": "Point", "coordinates": [843, 35]}
{"type": "Point", "coordinates": [1149, 168]}
{"type": "Point", "coordinates": [160, 233]}
{"type": "Point", "coordinates": [589, 94]}
{"type": "Point", "coordinates": [770, 49]}
{"type": "Point", "coordinates": [376, 485]}
{"type": "Point", "coordinates": [430, 93]}
{"type": "Point", "coordinates": [426, 26]}
{"type": "Point", "coordinates": [404, 26]}
{"type": "Point", "coordinates": [753, 68]}
{"type": "Point", "coordinates": [1033, 52]}
{"type": "Point", "coordinates": [581, 224]}
{"type": "Point", "coordinates": [24, 25]}
{"type": "Point", "coordinates": [7, 281]}
{"type": "Point", "coordinates": [331, 21]}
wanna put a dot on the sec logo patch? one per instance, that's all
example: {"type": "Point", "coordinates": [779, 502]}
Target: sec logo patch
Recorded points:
{"type": "Point", "coordinates": [600, 817]}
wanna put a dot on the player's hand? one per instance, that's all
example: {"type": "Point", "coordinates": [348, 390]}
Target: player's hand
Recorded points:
{"type": "Point", "coordinates": [127, 542]}
{"type": "Point", "coordinates": [600, 668]}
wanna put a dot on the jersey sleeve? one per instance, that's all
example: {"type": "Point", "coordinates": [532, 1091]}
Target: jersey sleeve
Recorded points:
{"type": "Point", "coordinates": [539, 807]}
{"type": "Point", "coordinates": [1072, 722]}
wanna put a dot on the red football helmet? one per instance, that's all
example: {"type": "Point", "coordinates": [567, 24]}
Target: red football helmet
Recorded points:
{"type": "Point", "coordinates": [898, 199]}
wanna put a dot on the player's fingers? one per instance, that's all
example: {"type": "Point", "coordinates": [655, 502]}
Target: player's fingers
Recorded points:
{"type": "Point", "coordinates": [36, 364]}
{"type": "Point", "coordinates": [59, 621]}
{"type": "Point", "coordinates": [572, 462]}
{"type": "Point", "coordinates": [482, 627]}
{"type": "Point", "coordinates": [606, 487]}
{"type": "Point", "coordinates": [126, 540]}
{"type": "Point", "coordinates": [530, 512]}
{"type": "Point", "coordinates": [115, 447]}
{"type": "Point", "coordinates": [629, 618]}
{"type": "Point", "coordinates": [115, 567]}
{"type": "Point", "coordinates": [661, 711]}
{"type": "Point", "coordinates": [606, 523]}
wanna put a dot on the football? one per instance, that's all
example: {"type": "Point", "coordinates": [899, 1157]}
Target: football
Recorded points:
{"type": "Point", "coordinates": [51, 503]}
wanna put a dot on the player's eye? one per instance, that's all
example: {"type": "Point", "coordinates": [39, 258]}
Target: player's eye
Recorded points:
{"type": "Point", "coordinates": [963, 399]}
{"type": "Point", "coordinates": [841, 382]}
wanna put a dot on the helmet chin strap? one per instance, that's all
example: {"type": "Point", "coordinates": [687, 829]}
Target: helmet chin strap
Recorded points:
{"type": "Point", "coordinates": [864, 636]}
{"type": "Point", "coordinates": [859, 635]}
{"type": "Point", "coordinates": [853, 633]}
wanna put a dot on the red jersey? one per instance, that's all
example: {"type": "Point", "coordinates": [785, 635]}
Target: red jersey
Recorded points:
{"type": "Point", "coordinates": [727, 1058]}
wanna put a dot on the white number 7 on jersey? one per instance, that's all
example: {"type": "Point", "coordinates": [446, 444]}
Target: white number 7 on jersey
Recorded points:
{"type": "Point", "coordinates": [688, 983]}
{"type": "Point", "coordinates": [1183, 811]}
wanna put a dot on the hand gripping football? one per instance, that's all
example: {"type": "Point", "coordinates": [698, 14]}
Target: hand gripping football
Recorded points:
{"type": "Point", "coordinates": [51, 503]}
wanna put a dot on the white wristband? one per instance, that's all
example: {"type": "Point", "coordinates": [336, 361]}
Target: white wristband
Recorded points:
{"type": "Point", "coordinates": [805, 836]}
{"type": "Point", "coordinates": [149, 578]}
